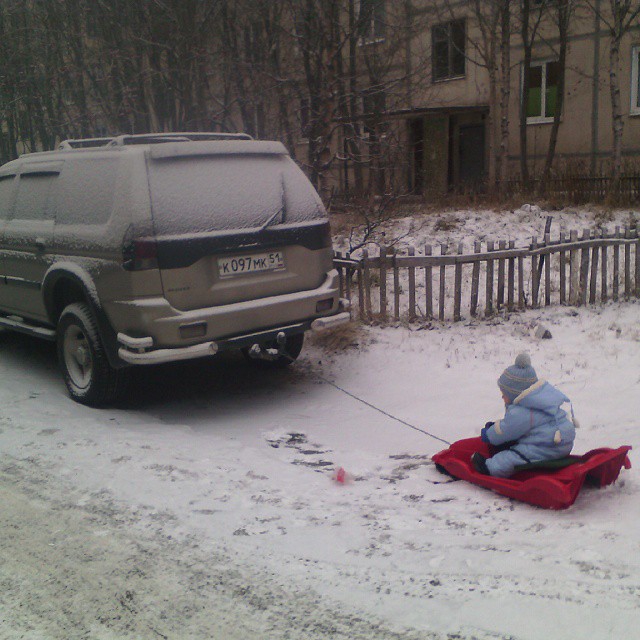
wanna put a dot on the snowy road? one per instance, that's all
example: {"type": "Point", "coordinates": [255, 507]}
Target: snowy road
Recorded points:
{"type": "Point", "coordinates": [204, 506]}
{"type": "Point", "coordinates": [76, 562]}
{"type": "Point", "coordinates": [73, 570]}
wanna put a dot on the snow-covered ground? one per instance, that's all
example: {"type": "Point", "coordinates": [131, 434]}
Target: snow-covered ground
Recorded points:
{"type": "Point", "coordinates": [204, 506]}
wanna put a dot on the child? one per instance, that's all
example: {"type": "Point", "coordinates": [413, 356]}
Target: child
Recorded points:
{"type": "Point", "coordinates": [534, 427]}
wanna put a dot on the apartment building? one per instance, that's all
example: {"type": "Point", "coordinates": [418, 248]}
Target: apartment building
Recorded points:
{"type": "Point", "coordinates": [456, 122]}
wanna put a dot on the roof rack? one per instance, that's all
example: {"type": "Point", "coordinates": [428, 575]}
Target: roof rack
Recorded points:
{"type": "Point", "coordinates": [150, 138]}
{"type": "Point", "coordinates": [83, 143]}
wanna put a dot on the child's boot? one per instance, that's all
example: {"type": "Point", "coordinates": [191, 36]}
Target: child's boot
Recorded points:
{"type": "Point", "coordinates": [479, 463]}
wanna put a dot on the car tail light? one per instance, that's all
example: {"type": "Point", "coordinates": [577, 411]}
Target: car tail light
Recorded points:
{"type": "Point", "coordinates": [140, 254]}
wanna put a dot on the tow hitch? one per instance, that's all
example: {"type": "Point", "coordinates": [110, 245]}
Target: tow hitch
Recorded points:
{"type": "Point", "coordinates": [259, 352]}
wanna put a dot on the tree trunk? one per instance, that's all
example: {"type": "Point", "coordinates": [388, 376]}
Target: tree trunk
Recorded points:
{"type": "Point", "coordinates": [617, 122]}
{"type": "Point", "coordinates": [505, 91]}
{"type": "Point", "coordinates": [352, 138]}
{"type": "Point", "coordinates": [564, 14]}
{"type": "Point", "coordinates": [492, 124]}
{"type": "Point", "coordinates": [524, 100]}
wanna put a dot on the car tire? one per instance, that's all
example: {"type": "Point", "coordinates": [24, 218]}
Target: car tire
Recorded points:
{"type": "Point", "coordinates": [293, 347]}
{"type": "Point", "coordinates": [89, 377]}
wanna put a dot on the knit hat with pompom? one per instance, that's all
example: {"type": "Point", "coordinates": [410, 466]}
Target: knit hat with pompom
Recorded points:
{"type": "Point", "coordinates": [517, 378]}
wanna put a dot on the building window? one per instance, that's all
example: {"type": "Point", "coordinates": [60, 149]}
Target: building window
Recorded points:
{"type": "Point", "coordinates": [635, 81]}
{"type": "Point", "coordinates": [448, 50]}
{"type": "Point", "coordinates": [374, 104]}
{"type": "Point", "coordinates": [372, 20]}
{"type": "Point", "coordinates": [374, 101]}
{"type": "Point", "coordinates": [543, 91]}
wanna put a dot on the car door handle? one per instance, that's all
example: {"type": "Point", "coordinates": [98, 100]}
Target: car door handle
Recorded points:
{"type": "Point", "coordinates": [40, 244]}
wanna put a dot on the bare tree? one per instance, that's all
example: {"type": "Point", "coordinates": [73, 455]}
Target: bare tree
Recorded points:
{"type": "Point", "coordinates": [494, 50]}
{"type": "Point", "coordinates": [505, 90]}
{"type": "Point", "coordinates": [530, 17]}
{"type": "Point", "coordinates": [328, 71]}
{"type": "Point", "coordinates": [563, 12]}
{"type": "Point", "coordinates": [619, 16]}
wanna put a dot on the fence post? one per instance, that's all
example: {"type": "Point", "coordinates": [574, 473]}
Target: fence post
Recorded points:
{"type": "Point", "coordinates": [428, 283]}
{"type": "Point", "coordinates": [457, 301]}
{"type": "Point", "coordinates": [502, 245]}
{"type": "Point", "coordinates": [475, 281]}
{"type": "Point", "coordinates": [637, 243]}
{"type": "Point", "coordinates": [563, 270]}
{"type": "Point", "coordinates": [361, 303]}
{"type": "Point", "coordinates": [627, 263]}
{"type": "Point", "coordinates": [511, 277]}
{"type": "Point", "coordinates": [535, 275]}
{"type": "Point", "coordinates": [348, 280]}
{"type": "Point", "coordinates": [522, 301]}
{"type": "Point", "coordinates": [396, 285]}
{"type": "Point", "coordinates": [584, 268]}
{"type": "Point", "coordinates": [412, 287]}
{"type": "Point", "coordinates": [616, 265]}
{"type": "Point", "coordinates": [594, 273]}
{"type": "Point", "coordinates": [574, 275]}
{"type": "Point", "coordinates": [547, 271]}
{"type": "Point", "coordinates": [604, 276]}
{"type": "Point", "coordinates": [367, 285]}
{"type": "Point", "coordinates": [443, 252]}
{"type": "Point", "coordinates": [489, 281]}
{"type": "Point", "coordinates": [383, 282]}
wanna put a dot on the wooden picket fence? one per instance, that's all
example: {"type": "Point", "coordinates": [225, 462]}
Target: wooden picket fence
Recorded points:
{"type": "Point", "coordinates": [445, 283]}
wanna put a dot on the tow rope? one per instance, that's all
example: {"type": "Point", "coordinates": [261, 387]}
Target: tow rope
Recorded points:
{"type": "Point", "coordinates": [382, 411]}
{"type": "Point", "coordinates": [283, 353]}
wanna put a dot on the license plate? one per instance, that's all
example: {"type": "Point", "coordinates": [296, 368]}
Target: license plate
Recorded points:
{"type": "Point", "coordinates": [250, 263]}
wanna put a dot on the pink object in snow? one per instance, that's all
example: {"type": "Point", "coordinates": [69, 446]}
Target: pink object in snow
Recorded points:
{"type": "Point", "coordinates": [340, 475]}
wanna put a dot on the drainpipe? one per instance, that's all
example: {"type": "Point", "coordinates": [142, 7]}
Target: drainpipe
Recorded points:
{"type": "Point", "coordinates": [595, 114]}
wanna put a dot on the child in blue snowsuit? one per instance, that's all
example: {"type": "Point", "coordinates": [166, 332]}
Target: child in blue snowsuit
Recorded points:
{"type": "Point", "coordinates": [534, 427]}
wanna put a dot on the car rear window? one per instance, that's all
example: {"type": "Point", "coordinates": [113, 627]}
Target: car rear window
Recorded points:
{"type": "Point", "coordinates": [192, 195]}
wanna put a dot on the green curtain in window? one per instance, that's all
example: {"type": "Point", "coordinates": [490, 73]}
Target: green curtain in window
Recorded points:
{"type": "Point", "coordinates": [534, 103]}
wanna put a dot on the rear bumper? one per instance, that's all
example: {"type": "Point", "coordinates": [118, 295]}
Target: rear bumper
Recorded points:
{"type": "Point", "coordinates": [225, 327]}
{"type": "Point", "coordinates": [133, 354]}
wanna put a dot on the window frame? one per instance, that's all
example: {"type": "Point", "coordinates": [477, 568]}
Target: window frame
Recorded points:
{"type": "Point", "coordinates": [37, 175]}
{"type": "Point", "coordinates": [376, 22]}
{"type": "Point", "coordinates": [12, 190]}
{"type": "Point", "coordinates": [634, 97]}
{"type": "Point", "coordinates": [541, 119]}
{"type": "Point", "coordinates": [450, 74]}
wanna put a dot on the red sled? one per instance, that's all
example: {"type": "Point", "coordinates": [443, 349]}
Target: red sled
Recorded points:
{"type": "Point", "coordinates": [550, 488]}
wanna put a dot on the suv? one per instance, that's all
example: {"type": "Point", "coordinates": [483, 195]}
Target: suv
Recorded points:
{"type": "Point", "coordinates": [138, 250]}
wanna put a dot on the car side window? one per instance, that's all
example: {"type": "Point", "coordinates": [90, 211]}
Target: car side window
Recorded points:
{"type": "Point", "coordinates": [85, 200]}
{"type": "Point", "coordinates": [34, 191]}
{"type": "Point", "coordinates": [7, 189]}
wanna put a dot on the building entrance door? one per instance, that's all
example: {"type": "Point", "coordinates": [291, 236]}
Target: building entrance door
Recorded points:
{"type": "Point", "coordinates": [471, 155]}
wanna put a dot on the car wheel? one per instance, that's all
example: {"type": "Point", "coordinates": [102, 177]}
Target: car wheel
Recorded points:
{"type": "Point", "coordinates": [293, 347]}
{"type": "Point", "coordinates": [89, 377]}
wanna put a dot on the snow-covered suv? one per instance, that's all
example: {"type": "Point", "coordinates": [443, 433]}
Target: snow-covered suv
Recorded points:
{"type": "Point", "coordinates": [145, 249]}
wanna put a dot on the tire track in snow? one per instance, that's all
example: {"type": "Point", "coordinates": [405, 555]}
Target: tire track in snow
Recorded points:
{"type": "Point", "coordinates": [77, 566]}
